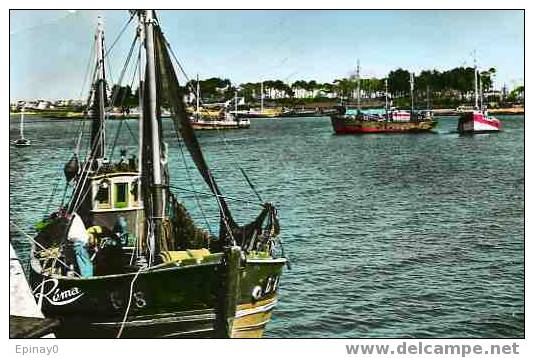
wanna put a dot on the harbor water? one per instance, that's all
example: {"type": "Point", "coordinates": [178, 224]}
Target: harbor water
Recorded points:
{"type": "Point", "coordinates": [389, 235]}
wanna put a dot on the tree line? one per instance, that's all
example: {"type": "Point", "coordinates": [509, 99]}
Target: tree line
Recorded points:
{"type": "Point", "coordinates": [450, 86]}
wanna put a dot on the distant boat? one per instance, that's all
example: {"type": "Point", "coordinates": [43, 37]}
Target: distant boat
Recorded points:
{"type": "Point", "coordinates": [224, 120]}
{"type": "Point", "coordinates": [206, 119]}
{"type": "Point", "coordinates": [382, 120]}
{"type": "Point", "coordinates": [477, 120]}
{"type": "Point", "coordinates": [264, 113]}
{"type": "Point", "coordinates": [22, 142]}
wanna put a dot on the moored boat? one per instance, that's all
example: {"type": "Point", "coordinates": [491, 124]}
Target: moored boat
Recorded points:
{"type": "Point", "coordinates": [383, 120]}
{"type": "Point", "coordinates": [393, 122]}
{"type": "Point", "coordinates": [22, 142]}
{"type": "Point", "coordinates": [224, 120]}
{"type": "Point", "coordinates": [123, 257]}
{"type": "Point", "coordinates": [215, 118]}
{"type": "Point", "coordinates": [477, 120]}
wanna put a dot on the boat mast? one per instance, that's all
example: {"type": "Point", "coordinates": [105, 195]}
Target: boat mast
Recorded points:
{"type": "Point", "coordinates": [476, 84]}
{"type": "Point", "coordinates": [386, 97]}
{"type": "Point", "coordinates": [261, 96]}
{"type": "Point", "coordinates": [156, 180]}
{"type": "Point", "coordinates": [98, 137]}
{"type": "Point", "coordinates": [198, 97]}
{"type": "Point", "coordinates": [481, 92]}
{"type": "Point", "coordinates": [427, 97]}
{"type": "Point", "coordinates": [142, 64]}
{"type": "Point", "coordinates": [412, 81]}
{"type": "Point", "coordinates": [358, 84]}
{"type": "Point", "coordinates": [235, 103]}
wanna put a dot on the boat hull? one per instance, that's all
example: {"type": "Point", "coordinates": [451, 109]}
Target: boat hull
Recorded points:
{"type": "Point", "coordinates": [477, 122]}
{"type": "Point", "coordinates": [167, 302]}
{"type": "Point", "coordinates": [22, 142]}
{"type": "Point", "coordinates": [343, 124]}
{"type": "Point", "coordinates": [216, 125]}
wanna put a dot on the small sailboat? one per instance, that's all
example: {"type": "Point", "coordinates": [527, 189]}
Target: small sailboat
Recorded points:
{"type": "Point", "coordinates": [203, 119]}
{"type": "Point", "coordinates": [123, 257]}
{"type": "Point", "coordinates": [22, 142]}
{"type": "Point", "coordinates": [478, 119]}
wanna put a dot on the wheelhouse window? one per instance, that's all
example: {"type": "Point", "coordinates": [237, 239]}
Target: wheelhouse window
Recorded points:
{"type": "Point", "coordinates": [102, 195]}
{"type": "Point", "coordinates": [121, 195]}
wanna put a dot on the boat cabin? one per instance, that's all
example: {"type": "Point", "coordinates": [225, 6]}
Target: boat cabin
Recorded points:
{"type": "Point", "coordinates": [117, 195]}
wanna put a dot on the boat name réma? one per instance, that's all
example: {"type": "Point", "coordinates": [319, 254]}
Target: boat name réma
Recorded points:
{"type": "Point", "coordinates": [55, 296]}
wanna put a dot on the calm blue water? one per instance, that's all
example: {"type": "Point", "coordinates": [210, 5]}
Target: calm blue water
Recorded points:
{"type": "Point", "coordinates": [389, 235]}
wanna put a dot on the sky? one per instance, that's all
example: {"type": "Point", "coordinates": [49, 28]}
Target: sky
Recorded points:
{"type": "Point", "coordinates": [50, 49]}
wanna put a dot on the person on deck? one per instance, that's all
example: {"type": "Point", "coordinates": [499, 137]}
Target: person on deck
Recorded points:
{"type": "Point", "coordinates": [79, 239]}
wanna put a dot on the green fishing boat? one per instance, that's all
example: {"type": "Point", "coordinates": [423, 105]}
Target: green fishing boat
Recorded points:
{"type": "Point", "coordinates": [122, 257]}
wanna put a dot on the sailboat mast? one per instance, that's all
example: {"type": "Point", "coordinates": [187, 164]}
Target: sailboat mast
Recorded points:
{"type": "Point", "coordinates": [358, 84]}
{"type": "Point", "coordinates": [98, 139]}
{"type": "Point", "coordinates": [235, 103]}
{"type": "Point", "coordinates": [22, 124]}
{"type": "Point", "coordinates": [261, 96]}
{"type": "Point", "coordinates": [427, 97]}
{"type": "Point", "coordinates": [198, 96]}
{"type": "Point", "coordinates": [156, 182]}
{"type": "Point", "coordinates": [481, 92]}
{"type": "Point", "coordinates": [386, 97]}
{"type": "Point", "coordinates": [476, 84]}
{"type": "Point", "coordinates": [412, 81]}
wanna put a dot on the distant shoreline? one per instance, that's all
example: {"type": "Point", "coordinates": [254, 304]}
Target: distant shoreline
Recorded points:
{"type": "Point", "coordinates": [59, 115]}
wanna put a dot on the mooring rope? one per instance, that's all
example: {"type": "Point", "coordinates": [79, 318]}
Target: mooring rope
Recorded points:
{"type": "Point", "coordinates": [123, 323]}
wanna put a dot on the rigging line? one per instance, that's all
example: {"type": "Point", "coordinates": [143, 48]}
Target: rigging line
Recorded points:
{"type": "Point", "coordinates": [86, 107]}
{"type": "Point", "coordinates": [215, 195]}
{"type": "Point", "coordinates": [181, 147]}
{"type": "Point", "coordinates": [188, 177]}
{"type": "Point", "coordinates": [117, 132]}
{"type": "Point", "coordinates": [87, 70]}
{"type": "Point", "coordinates": [219, 132]}
{"type": "Point", "coordinates": [223, 214]}
{"type": "Point", "coordinates": [250, 184]}
{"type": "Point", "coordinates": [124, 119]}
{"type": "Point", "coordinates": [106, 53]}
{"type": "Point", "coordinates": [38, 244]}
{"type": "Point", "coordinates": [85, 169]}
{"type": "Point", "coordinates": [50, 199]}
{"type": "Point", "coordinates": [182, 70]}
{"type": "Point", "coordinates": [210, 176]}
{"type": "Point", "coordinates": [123, 97]}
{"type": "Point", "coordinates": [123, 72]}
{"type": "Point", "coordinates": [131, 132]}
